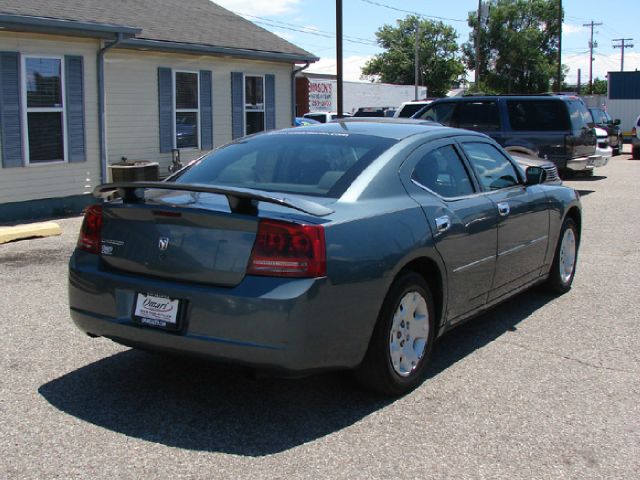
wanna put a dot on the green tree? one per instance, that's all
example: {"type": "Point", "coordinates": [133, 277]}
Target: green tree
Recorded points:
{"type": "Point", "coordinates": [440, 66]}
{"type": "Point", "coordinates": [518, 46]}
{"type": "Point", "coordinates": [599, 87]}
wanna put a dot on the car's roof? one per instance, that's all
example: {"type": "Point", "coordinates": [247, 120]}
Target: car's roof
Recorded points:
{"type": "Point", "coordinates": [541, 96]}
{"type": "Point", "coordinates": [394, 128]}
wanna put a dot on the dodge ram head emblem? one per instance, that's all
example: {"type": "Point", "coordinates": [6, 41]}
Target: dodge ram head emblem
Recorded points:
{"type": "Point", "coordinates": [163, 243]}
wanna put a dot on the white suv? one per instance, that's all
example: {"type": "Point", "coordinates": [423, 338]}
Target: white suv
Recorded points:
{"type": "Point", "coordinates": [324, 117]}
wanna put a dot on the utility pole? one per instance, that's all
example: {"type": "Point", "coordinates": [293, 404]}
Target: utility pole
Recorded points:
{"type": "Point", "coordinates": [559, 79]}
{"type": "Point", "coordinates": [579, 81]}
{"type": "Point", "coordinates": [417, 59]}
{"type": "Point", "coordinates": [591, 47]}
{"type": "Point", "coordinates": [622, 46]}
{"type": "Point", "coordinates": [477, 77]}
{"type": "Point", "coordinates": [339, 55]}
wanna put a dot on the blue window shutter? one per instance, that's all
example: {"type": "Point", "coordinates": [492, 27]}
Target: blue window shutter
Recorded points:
{"type": "Point", "coordinates": [206, 111]}
{"type": "Point", "coordinates": [165, 105]}
{"type": "Point", "coordinates": [237, 105]}
{"type": "Point", "coordinates": [10, 118]}
{"type": "Point", "coordinates": [74, 89]}
{"type": "Point", "coordinates": [270, 101]}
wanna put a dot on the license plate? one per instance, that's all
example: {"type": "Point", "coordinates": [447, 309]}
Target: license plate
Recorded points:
{"type": "Point", "coordinates": [157, 311]}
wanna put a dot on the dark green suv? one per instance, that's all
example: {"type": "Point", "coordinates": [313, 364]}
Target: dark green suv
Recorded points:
{"type": "Point", "coordinates": [556, 127]}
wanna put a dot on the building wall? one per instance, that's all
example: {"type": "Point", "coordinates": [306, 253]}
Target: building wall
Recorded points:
{"type": "Point", "coordinates": [32, 182]}
{"type": "Point", "coordinates": [360, 94]}
{"type": "Point", "coordinates": [132, 110]}
{"type": "Point", "coordinates": [132, 100]}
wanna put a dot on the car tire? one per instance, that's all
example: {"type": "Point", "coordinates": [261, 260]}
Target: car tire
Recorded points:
{"type": "Point", "coordinates": [636, 153]}
{"type": "Point", "coordinates": [402, 340]}
{"type": "Point", "coordinates": [563, 269]}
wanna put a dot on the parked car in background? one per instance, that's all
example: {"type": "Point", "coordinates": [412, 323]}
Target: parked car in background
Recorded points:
{"type": "Point", "coordinates": [342, 245]}
{"type": "Point", "coordinates": [303, 122]}
{"type": "Point", "coordinates": [525, 161]}
{"type": "Point", "coordinates": [603, 120]}
{"type": "Point", "coordinates": [324, 117]}
{"type": "Point", "coordinates": [603, 148]}
{"type": "Point", "coordinates": [374, 112]}
{"type": "Point", "coordinates": [635, 140]}
{"type": "Point", "coordinates": [558, 128]}
{"type": "Point", "coordinates": [408, 109]}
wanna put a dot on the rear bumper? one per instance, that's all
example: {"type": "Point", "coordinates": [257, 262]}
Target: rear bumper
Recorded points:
{"type": "Point", "coordinates": [584, 163]}
{"type": "Point", "coordinates": [292, 325]}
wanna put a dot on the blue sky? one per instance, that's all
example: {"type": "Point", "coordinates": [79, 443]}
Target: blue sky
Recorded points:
{"type": "Point", "coordinates": [310, 24]}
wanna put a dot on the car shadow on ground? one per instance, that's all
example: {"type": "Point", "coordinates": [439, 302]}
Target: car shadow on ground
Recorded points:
{"type": "Point", "coordinates": [192, 404]}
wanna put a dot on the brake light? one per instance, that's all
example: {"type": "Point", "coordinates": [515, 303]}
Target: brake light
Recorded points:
{"type": "Point", "coordinates": [284, 249]}
{"type": "Point", "coordinates": [91, 230]}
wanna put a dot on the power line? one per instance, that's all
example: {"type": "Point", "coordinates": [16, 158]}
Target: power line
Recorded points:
{"type": "Point", "coordinates": [383, 5]}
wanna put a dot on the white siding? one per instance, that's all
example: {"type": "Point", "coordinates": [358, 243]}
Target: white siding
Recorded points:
{"type": "Point", "coordinates": [62, 179]}
{"type": "Point", "coordinates": [132, 100]}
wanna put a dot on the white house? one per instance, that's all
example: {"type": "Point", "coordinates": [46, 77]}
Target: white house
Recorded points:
{"type": "Point", "coordinates": [84, 83]}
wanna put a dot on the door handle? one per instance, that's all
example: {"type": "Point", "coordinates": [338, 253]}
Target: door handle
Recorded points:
{"type": "Point", "coordinates": [503, 209]}
{"type": "Point", "coordinates": [443, 223]}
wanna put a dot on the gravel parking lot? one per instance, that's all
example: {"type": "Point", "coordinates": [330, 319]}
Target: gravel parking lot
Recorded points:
{"type": "Point", "coordinates": [541, 387]}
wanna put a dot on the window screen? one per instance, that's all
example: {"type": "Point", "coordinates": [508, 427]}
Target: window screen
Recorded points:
{"type": "Point", "coordinates": [45, 114]}
{"type": "Point", "coordinates": [187, 110]}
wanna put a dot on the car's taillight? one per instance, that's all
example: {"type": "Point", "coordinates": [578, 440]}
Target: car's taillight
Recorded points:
{"type": "Point", "coordinates": [91, 230]}
{"type": "Point", "coordinates": [283, 249]}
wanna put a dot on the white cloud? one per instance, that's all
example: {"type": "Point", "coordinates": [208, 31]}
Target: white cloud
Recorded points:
{"type": "Point", "coordinates": [351, 66]}
{"type": "Point", "coordinates": [602, 64]}
{"type": "Point", "coordinates": [570, 29]}
{"type": "Point", "coordinates": [259, 7]}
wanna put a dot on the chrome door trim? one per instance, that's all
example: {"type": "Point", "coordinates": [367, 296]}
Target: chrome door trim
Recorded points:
{"type": "Point", "coordinates": [473, 264]}
{"type": "Point", "coordinates": [523, 245]}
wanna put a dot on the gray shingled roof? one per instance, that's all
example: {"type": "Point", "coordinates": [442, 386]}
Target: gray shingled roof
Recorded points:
{"type": "Point", "coordinates": [185, 21]}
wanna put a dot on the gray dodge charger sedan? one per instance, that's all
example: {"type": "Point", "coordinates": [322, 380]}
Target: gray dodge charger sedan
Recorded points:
{"type": "Point", "coordinates": [350, 245]}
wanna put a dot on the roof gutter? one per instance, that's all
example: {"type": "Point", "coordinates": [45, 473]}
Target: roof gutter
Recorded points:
{"type": "Point", "coordinates": [26, 23]}
{"type": "Point", "coordinates": [294, 72]}
{"type": "Point", "coordinates": [102, 100]}
{"type": "Point", "coordinates": [199, 49]}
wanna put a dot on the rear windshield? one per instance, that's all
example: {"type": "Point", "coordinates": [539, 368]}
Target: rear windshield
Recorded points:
{"type": "Point", "coordinates": [309, 163]}
{"type": "Point", "coordinates": [538, 115]}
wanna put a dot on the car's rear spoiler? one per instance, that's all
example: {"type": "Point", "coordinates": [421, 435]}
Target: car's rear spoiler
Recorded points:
{"type": "Point", "coordinates": [241, 200]}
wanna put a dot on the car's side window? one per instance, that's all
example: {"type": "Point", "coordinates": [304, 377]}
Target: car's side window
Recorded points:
{"type": "Point", "coordinates": [492, 167]}
{"type": "Point", "coordinates": [443, 172]}
{"type": "Point", "coordinates": [440, 112]}
{"type": "Point", "coordinates": [479, 116]}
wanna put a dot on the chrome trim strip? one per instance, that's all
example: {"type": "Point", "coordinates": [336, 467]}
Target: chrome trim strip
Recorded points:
{"type": "Point", "coordinates": [522, 245]}
{"type": "Point", "coordinates": [473, 264]}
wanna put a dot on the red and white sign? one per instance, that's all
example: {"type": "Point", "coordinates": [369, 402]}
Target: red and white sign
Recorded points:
{"type": "Point", "coordinates": [320, 96]}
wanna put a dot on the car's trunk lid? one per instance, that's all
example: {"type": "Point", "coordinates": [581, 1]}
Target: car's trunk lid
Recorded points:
{"type": "Point", "coordinates": [189, 234]}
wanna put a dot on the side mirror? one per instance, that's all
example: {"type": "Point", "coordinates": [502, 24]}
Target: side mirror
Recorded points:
{"type": "Point", "coordinates": [535, 175]}
{"type": "Point", "coordinates": [616, 121]}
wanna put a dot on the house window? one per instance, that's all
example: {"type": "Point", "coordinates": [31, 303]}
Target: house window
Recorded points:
{"type": "Point", "coordinates": [187, 110]}
{"type": "Point", "coordinates": [253, 104]}
{"type": "Point", "coordinates": [45, 135]}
